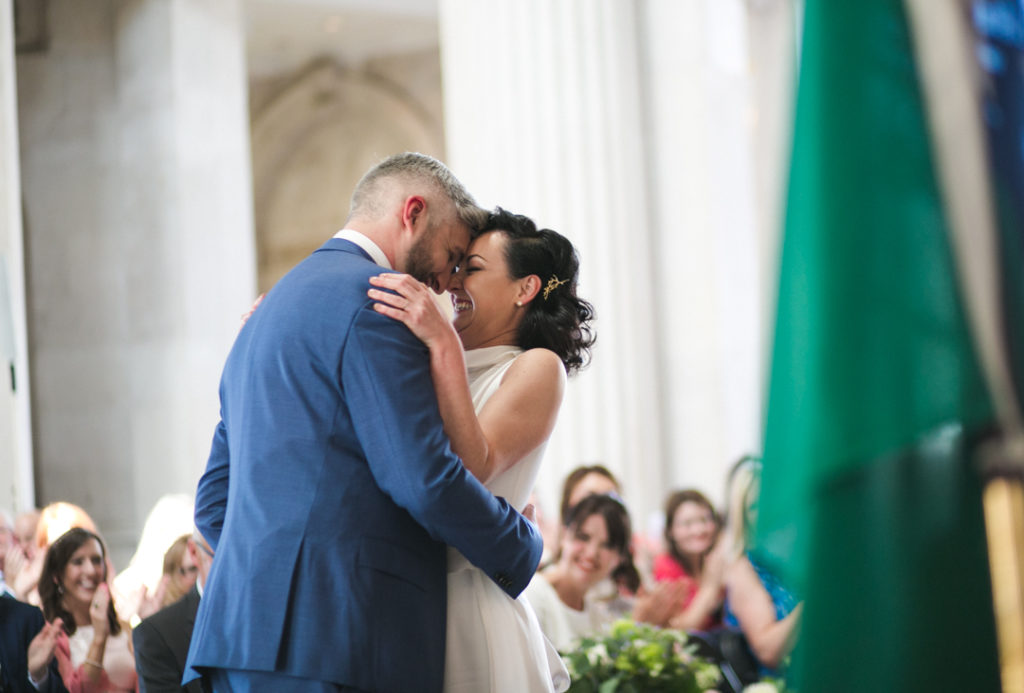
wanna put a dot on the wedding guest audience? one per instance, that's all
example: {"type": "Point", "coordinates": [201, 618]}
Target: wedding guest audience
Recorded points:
{"type": "Point", "coordinates": [54, 520]}
{"type": "Point", "coordinates": [162, 640]}
{"type": "Point", "coordinates": [756, 601]}
{"type": "Point", "coordinates": [94, 652]}
{"type": "Point", "coordinates": [693, 558]}
{"type": "Point", "coordinates": [27, 645]}
{"type": "Point", "coordinates": [595, 541]}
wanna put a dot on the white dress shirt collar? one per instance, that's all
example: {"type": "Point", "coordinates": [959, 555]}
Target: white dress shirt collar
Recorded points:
{"type": "Point", "coordinates": [366, 244]}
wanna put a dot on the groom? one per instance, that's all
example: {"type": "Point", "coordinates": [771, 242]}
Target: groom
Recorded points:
{"type": "Point", "coordinates": [331, 490]}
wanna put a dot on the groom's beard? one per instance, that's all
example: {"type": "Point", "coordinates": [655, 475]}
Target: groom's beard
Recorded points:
{"type": "Point", "coordinates": [418, 263]}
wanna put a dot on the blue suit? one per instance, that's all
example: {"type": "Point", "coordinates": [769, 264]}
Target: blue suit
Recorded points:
{"type": "Point", "coordinates": [331, 492]}
{"type": "Point", "coordinates": [19, 624]}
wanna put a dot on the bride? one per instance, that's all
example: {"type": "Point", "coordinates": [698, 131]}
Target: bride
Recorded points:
{"type": "Point", "coordinates": [499, 369]}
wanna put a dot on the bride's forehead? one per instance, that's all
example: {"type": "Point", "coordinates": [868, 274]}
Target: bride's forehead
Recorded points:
{"type": "Point", "coordinates": [488, 245]}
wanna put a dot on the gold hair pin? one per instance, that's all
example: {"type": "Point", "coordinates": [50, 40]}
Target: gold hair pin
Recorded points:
{"type": "Point", "coordinates": [553, 284]}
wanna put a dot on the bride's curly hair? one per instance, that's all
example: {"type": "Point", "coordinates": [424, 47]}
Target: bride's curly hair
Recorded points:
{"type": "Point", "coordinates": [556, 319]}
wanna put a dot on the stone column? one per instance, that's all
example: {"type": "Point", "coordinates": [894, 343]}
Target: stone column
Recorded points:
{"type": "Point", "coordinates": [544, 115]}
{"type": "Point", "coordinates": [17, 490]}
{"type": "Point", "coordinates": [137, 183]}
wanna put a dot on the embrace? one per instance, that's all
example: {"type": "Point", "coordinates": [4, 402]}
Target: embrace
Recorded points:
{"type": "Point", "coordinates": [365, 484]}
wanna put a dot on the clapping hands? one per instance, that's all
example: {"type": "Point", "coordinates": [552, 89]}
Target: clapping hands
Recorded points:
{"type": "Point", "coordinates": [42, 648]}
{"type": "Point", "coordinates": [657, 605]}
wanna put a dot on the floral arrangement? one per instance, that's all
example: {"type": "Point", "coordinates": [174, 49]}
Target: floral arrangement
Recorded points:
{"type": "Point", "coordinates": [638, 658]}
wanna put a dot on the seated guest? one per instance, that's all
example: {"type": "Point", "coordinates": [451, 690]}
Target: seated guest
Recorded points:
{"type": "Point", "coordinates": [20, 551]}
{"type": "Point", "coordinates": [595, 542]}
{"type": "Point", "coordinates": [94, 654]}
{"type": "Point", "coordinates": [693, 559]}
{"type": "Point", "coordinates": [162, 640]}
{"type": "Point", "coordinates": [140, 589]}
{"type": "Point", "coordinates": [585, 481]}
{"type": "Point", "coordinates": [27, 645]}
{"type": "Point", "coordinates": [25, 531]}
{"type": "Point", "coordinates": [756, 602]}
{"type": "Point", "coordinates": [180, 571]}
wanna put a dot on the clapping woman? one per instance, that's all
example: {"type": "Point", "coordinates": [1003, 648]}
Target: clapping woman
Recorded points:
{"type": "Point", "coordinates": [95, 654]}
{"type": "Point", "coordinates": [693, 559]}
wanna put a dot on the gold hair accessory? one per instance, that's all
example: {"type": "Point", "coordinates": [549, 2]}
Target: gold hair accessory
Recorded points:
{"type": "Point", "coordinates": [553, 284]}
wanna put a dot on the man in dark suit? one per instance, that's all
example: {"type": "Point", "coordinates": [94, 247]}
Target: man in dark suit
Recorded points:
{"type": "Point", "coordinates": [331, 490]}
{"type": "Point", "coordinates": [161, 641]}
{"type": "Point", "coordinates": [27, 644]}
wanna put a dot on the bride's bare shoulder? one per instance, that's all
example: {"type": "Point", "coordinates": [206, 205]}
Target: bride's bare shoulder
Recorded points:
{"type": "Point", "coordinates": [542, 360]}
{"type": "Point", "coordinates": [537, 367]}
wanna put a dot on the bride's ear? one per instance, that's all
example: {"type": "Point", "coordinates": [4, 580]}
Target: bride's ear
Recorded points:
{"type": "Point", "coordinates": [529, 287]}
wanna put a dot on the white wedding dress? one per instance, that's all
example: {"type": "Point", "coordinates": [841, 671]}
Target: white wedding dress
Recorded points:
{"type": "Point", "coordinates": [495, 643]}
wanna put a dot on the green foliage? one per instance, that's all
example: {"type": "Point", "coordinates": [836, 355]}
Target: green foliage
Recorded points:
{"type": "Point", "coordinates": [638, 658]}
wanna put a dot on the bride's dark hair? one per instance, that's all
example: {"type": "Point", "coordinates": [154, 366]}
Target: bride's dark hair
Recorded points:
{"type": "Point", "coordinates": [556, 319]}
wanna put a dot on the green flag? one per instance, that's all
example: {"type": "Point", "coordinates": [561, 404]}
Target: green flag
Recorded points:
{"type": "Point", "coordinates": [870, 504]}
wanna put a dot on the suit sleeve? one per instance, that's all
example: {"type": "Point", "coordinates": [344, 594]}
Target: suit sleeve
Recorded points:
{"type": "Point", "coordinates": [212, 492]}
{"type": "Point", "coordinates": [154, 661]}
{"type": "Point", "coordinates": [386, 379]}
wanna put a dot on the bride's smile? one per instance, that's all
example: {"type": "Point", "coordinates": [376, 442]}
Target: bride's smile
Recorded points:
{"type": "Point", "coordinates": [484, 296]}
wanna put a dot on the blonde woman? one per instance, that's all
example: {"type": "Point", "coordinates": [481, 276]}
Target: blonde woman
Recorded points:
{"type": "Point", "coordinates": [756, 601]}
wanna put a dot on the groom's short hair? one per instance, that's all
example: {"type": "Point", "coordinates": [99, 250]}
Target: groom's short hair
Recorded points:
{"type": "Point", "coordinates": [415, 167]}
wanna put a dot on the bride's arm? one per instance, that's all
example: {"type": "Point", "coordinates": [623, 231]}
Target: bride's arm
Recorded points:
{"type": "Point", "coordinates": [515, 420]}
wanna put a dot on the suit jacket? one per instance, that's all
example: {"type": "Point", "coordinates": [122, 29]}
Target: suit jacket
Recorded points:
{"type": "Point", "coordinates": [161, 647]}
{"type": "Point", "coordinates": [19, 623]}
{"type": "Point", "coordinates": [331, 491]}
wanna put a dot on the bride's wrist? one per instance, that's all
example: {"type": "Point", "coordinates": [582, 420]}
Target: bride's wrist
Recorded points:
{"type": "Point", "coordinates": [446, 344]}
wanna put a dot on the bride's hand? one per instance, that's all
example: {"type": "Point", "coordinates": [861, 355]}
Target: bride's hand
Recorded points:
{"type": "Point", "coordinates": [412, 304]}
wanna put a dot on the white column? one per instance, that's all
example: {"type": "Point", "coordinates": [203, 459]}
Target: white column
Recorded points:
{"type": "Point", "coordinates": [544, 116]}
{"type": "Point", "coordinates": [708, 235]}
{"type": "Point", "coordinates": [137, 177]}
{"type": "Point", "coordinates": [17, 492]}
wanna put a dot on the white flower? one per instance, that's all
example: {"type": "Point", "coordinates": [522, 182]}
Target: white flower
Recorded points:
{"type": "Point", "coordinates": [761, 687]}
{"type": "Point", "coordinates": [598, 654]}
{"type": "Point", "coordinates": [708, 676]}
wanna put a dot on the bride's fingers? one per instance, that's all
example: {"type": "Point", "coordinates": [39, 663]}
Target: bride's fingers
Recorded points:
{"type": "Point", "coordinates": [405, 284]}
{"type": "Point", "coordinates": [391, 312]}
{"type": "Point", "coordinates": [396, 300]}
{"type": "Point", "coordinates": [393, 281]}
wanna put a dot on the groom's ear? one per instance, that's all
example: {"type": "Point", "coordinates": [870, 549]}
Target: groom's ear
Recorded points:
{"type": "Point", "coordinates": [413, 212]}
{"type": "Point", "coordinates": [529, 287]}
